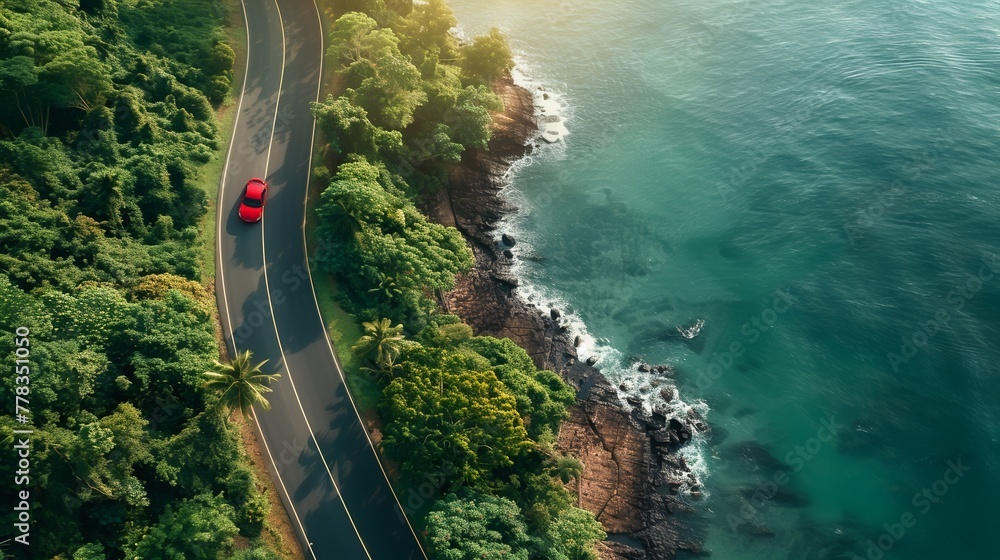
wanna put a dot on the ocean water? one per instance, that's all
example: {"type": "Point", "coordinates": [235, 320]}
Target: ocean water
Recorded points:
{"type": "Point", "coordinates": [819, 182]}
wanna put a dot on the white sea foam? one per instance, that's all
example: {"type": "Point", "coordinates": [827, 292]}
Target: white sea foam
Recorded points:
{"type": "Point", "coordinates": [612, 363]}
{"type": "Point", "coordinates": [622, 372]}
{"type": "Point", "coordinates": [551, 106]}
{"type": "Point", "coordinates": [618, 369]}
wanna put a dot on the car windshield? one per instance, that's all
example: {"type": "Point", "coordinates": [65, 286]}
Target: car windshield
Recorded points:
{"type": "Point", "coordinates": [252, 203]}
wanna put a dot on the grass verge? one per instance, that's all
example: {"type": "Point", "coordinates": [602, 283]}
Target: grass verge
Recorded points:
{"type": "Point", "coordinates": [209, 175]}
{"type": "Point", "coordinates": [327, 17]}
{"type": "Point", "coordinates": [343, 328]}
{"type": "Point", "coordinates": [278, 534]}
{"type": "Point", "coordinates": [208, 180]}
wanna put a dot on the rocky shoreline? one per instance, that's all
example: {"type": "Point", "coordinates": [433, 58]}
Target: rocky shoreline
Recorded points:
{"type": "Point", "coordinates": [631, 470]}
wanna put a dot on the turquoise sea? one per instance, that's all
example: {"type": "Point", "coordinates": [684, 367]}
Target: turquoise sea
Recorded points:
{"type": "Point", "coordinates": [819, 182]}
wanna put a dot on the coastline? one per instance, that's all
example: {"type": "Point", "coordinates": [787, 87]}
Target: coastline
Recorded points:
{"type": "Point", "coordinates": [632, 469]}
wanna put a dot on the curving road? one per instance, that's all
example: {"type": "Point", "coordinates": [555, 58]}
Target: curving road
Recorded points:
{"type": "Point", "coordinates": [322, 462]}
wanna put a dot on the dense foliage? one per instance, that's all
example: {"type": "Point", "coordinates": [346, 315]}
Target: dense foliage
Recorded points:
{"type": "Point", "coordinates": [473, 414]}
{"type": "Point", "coordinates": [476, 525]}
{"type": "Point", "coordinates": [126, 452]}
{"type": "Point", "coordinates": [105, 112]}
{"type": "Point", "coordinates": [388, 255]}
{"type": "Point", "coordinates": [107, 109]}
{"type": "Point", "coordinates": [449, 404]}
{"type": "Point", "coordinates": [415, 96]}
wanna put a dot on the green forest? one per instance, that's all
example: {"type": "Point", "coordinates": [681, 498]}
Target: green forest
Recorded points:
{"type": "Point", "coordinates": [472, 415]}
{"type": "Point", "coordinates": [107, 112]}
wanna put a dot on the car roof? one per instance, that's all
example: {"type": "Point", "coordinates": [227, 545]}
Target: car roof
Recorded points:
{"type": "Point", "coordinates": [254, 187]}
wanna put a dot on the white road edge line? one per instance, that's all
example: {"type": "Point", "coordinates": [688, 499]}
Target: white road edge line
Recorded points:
{"type": "Point", "coordinates": [221, 269]}
{"type": "Point", "coordinates": [267, 448]}
{"type": "Point", "coordinates": [267, 288]}
{"type": "Point", "coordinates": [312, 286]}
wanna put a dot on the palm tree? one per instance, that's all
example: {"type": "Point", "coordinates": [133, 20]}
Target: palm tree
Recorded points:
{"type": "Point", "coordinates": [386, 370]}
{"type": "Point", "coordinates": [381, 339]}
{"type": "Point", "coordinates": [387, 287]}
{"type": "Point", "coordinates": [344, 221]}
{"type": "Point", "coordinates": [568, 468]}
{"type": "Point", "coordinates": [239, 384]}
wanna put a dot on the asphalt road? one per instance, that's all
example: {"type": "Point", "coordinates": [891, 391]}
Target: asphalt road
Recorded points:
{"type": "Point", "coordinates": [322, 462]}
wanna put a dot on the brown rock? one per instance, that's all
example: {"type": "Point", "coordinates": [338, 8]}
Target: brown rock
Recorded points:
{"type": "Point", "coordinates": [616, 455]}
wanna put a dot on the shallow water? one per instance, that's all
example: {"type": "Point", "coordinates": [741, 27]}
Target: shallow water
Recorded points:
{"type": "Point", "coordinates": [818, 183]}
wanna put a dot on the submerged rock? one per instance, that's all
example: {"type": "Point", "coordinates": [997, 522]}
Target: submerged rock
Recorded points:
{"type": "Point", "coordinates": [696, 420]}
{"type": "Point", "coordinates": [754, 456]}
{"type": "Point", "coordinates": [783, 495]}
{"type": "Point", "coordinates": [690, 330]}
{"type": "Point", "coordinates": [664, 370]}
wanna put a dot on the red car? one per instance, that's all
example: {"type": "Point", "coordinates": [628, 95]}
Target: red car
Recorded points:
{"type": "Point", "coordinates": [252, 201]}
